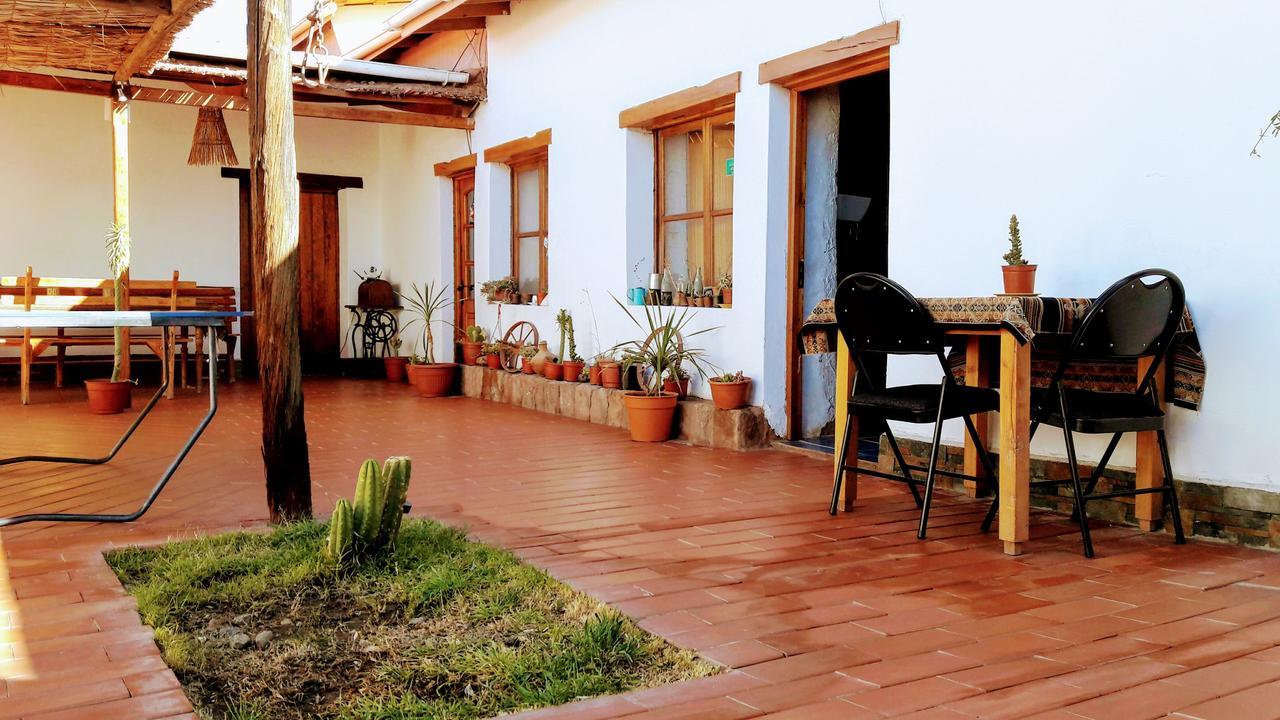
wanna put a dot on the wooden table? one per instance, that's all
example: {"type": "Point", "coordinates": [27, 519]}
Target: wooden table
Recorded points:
{"type": "Point", "coordinates": [1004, 348]}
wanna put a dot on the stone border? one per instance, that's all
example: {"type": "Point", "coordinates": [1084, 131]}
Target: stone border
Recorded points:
{"type": "Point", "coordinates": [697, 421]}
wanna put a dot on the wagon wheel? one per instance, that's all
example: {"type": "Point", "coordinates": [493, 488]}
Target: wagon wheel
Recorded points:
{"type": "Point", "coordinates": [643, 373]}
{"type": "Point", "coordinates": [518, 336]}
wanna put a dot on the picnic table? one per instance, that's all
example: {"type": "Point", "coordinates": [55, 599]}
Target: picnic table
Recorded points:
{"type": "Point", "coordinates": [994, 348]}
{"type": "Point", "coordinates": [168, 322]}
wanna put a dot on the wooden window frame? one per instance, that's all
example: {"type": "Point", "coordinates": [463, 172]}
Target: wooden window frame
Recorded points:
{"type": "Point", "coordinates": [536, 160]}
{"type": "Point", "coordinates": [708, 213]}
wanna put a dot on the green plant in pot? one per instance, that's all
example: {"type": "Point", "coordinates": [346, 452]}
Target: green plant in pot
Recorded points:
{"type": "Point", "coordinates": [572, 362]}
{"type": "Point", "coordinates": [472, 338]}
{"type": "Point", "coordinates": [501, 290]}
{"type": "Point", "coordinates": [663, 349]}
{"type": "Point", "coordinates": [729, 390]}
{"type": "Point", "coordinates": [395, 363]}
{"type": "Point", "coordinates": [426, 304]}
{"type": "Point", "coordinates": [1019, 276]}
{"type": "Point", "coordinates": [113, 395]}
{"type": "Point", "coordinates": [492, 353]}
{"type": "Point", "coordinates": [726, 289]}
{"type": "Point", "coordinates": [526, 359]}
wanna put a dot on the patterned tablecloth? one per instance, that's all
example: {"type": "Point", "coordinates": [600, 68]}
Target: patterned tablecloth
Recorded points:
{"type": "Point", "coordinates": [1041, 321]}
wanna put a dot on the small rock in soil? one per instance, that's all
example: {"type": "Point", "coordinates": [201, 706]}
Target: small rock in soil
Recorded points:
{"type": "Point", "coordinates": [371, 649]}
{"type": "Point", "coordinates": [240, 641]}
{"type": "Point", "coordinates": [214, 623]}
{"type": "Point", "coordinates": [286, 623]}
{"type": "Point", "coordinates": [241, 619]}
{"type": "Point", "coordinates": [229, 631]}
{"type": "Point", "coordinates": [417, 621]}
{"type": "Point", "coordinates": [263, 639]}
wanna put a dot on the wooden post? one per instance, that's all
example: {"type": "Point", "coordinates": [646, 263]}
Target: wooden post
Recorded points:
{"type": "Point", "coordinates": [977, 373]}
{"type": "Point", "coordinates": [274, 201]}
{"type": "Point", "coordinates": [1015, 441]}
{"type": "Point", "coordinates": [120, 206]}
{"type": "Point", "coordinates": [1148, 509]}
{"type": "Point", "coordinates": [24, 373]}
{"type": "Point", "coordinates": [845, 376]}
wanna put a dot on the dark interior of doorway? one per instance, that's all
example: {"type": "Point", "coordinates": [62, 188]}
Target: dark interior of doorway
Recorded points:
{"type": "Point", "coordinates": [862, 212]}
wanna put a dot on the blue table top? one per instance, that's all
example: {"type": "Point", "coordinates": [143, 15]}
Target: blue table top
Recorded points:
{"type": "Point", "coordinates": [117, 318]}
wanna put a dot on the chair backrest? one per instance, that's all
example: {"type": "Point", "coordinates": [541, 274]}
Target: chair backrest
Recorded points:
{"type": "Point", "coordinates": [877, 315]}
{"type": "Point", "coordinates": [1136, 317]}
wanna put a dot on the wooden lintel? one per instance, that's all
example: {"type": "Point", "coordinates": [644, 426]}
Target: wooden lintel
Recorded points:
{"type": "Point", "coordinates": [515, 149]}
{"type": "Point", "coordinates": [156, 39]}
{"type": "Point", "coordinates": [380, 115]}
{"type": "Point", "coordinates": [713, 97]}
{"type": "Point", "coordinates": [36, 81]}
{"type": "Point", "coordinates": [450, 24]}
{"type": "Point", "coordinates": [310, 180]}
{"type": "Point", "coordinates": [456, 166]}
{"type": "Point", "coordinates": [482, 9]}
{"type": "Point", "coordinates": [796, 70]}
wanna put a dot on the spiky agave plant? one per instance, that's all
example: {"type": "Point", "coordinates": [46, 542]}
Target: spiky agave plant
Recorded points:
{"type": "Point", "coordinates": [426, 303]}
{"type": "Point", "coordinates": [663, 349]}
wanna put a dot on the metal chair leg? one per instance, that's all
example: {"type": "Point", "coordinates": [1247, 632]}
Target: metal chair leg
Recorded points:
{"type": "Point", "coordinates": [1078, 491]}
{"type": "Point", "coordinates": [1099, 469]}
{"type": "Point", "coordinates": [1171, 493]}
{"type": "Point", "coordinates": [933, 463]}
{"type": "Point", "coordinates": [844, 454]}
{"type": "Point", "coordinates": [902, 464]}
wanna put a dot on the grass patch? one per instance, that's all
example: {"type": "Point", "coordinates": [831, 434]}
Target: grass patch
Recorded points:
{"type": "Point", "coordinates": [440, 628]}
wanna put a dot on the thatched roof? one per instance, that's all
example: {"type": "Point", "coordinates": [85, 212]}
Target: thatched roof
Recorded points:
{"type": "Point", "coordinates": [95, 35]}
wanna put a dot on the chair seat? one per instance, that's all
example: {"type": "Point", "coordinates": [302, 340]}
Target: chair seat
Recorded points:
{"type": "Point", "coordinates": [919, 403]}
{"type": "Point", "coordinates": [1096, 412]}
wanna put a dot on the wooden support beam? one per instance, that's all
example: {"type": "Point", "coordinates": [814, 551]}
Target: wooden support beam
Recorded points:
{"type": "Point", "coordinates": [274, 212]}
{"type": "Point", "coordinates": [120, 217]}
{"type": "Point", "coordinates": [450, 24]}
{"type": "Point", "coordinates": [713, 97]}
{"type": "Point", "coordinates": [482, 9]}
{"type": "Point", "coordinates": [156, 40]}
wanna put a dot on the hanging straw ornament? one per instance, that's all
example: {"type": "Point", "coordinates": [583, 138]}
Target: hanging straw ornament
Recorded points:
{"type": "Point", "coordinates": [211, 144]}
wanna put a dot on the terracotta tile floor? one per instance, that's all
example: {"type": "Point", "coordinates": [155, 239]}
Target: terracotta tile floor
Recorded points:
{"type": "Point", "coordinates": [729, 554]}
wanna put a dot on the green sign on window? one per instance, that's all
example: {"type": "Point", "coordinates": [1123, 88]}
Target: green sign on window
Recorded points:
{"type": "Point", "coordinates": [728, 167]}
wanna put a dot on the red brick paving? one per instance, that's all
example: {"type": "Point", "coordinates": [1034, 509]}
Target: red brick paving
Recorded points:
{"type": "Point", "coordinates": [730, 554]}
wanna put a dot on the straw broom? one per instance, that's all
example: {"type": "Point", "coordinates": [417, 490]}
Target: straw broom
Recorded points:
{"type": "Point", "coordinates": [211, 144]}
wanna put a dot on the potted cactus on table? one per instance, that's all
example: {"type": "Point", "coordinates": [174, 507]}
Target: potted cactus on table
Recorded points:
{"type": "Point", "coordinates": [1019, 275]}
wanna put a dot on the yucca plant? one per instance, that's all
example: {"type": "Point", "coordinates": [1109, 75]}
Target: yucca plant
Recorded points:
{"type": "Point", "coordinates": [426, 303]}
{"type": "Point", "coordinates": [119, 251]}
{"type": "Point", "coordinates": [664, 349]}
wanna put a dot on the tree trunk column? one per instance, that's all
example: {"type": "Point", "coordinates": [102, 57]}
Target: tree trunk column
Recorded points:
{"type": "Point", "coordinates": [274, 202]}
{"type": "Point", "coordinates": [120, 208]}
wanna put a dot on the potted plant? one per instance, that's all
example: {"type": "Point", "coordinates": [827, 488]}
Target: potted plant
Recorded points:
{"type": "Point", "coordinates": [492, 353]}
{"type": "Point", "coordinates": [676, 381]}
{"type": "Point", "coordinates": [1019, 277]}
{"type": "Point", "coordinates": [650, 410]}
{"type": "Point", "coordinates": [472, 339]}
{"type": "Point", "coordinates": [552, 370]}
{"type": "Point", "coordinates": [729, 391]}
{"type": "Point", "coordinates": [113, 395]}
{"type": "Point", "coordinates": [593, 373]}
{"type": "Point", "coordinates": [726, 289]}
{"type": "Point", "coordinates": [500, 290]}
{"type": "Point", "coordinates": [526, 359]}
{"type": "Point", "coordinates": [433, 379]}
{"type": "Point", "coordinates": [394, 363]}
{"type": "Point", "coordinates": [610, 371]}
{"type": "Point", "coordinates": [572, 364]}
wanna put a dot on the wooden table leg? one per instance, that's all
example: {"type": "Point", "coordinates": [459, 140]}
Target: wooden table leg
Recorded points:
{"type": "Point", "coordinates": [1015, 441]}
{"type": "Point", "coordinates": [844, 385]}
{"type": "Point", "coordinates": [1149, 509]}
{"type": "Point", "coordinates": [977, 373]}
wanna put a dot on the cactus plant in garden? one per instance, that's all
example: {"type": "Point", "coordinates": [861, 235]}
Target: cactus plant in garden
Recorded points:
{"type": "Point", "coordinates": [341, 532]}
{"type": "Point", "coordinates": [372, 523]}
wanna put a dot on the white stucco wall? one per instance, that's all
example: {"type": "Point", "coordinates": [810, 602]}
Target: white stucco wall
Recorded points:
{"type": "Point", "coordinates": [55, 172]}
{"type": "Point", "coordinates": [1102, 125]}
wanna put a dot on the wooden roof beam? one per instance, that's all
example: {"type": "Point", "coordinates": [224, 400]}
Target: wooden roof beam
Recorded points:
{"type": "Point", "coordinates": [156, 40]}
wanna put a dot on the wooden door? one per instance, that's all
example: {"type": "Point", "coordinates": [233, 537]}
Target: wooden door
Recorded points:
{"type": "Point", "coordinates": [464, 259]}
{"type": "Point", "coordinates": [318, 295]}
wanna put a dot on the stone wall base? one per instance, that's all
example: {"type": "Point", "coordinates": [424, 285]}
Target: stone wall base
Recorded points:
{"type": "Point", "coordinates": [697, 421]}
{"type": "Point", "coordinates": [1243, 516]}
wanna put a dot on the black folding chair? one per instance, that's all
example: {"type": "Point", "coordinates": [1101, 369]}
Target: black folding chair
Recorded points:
{"type": "Point", "coordinates": [1131, 319]}
{"type": "Point", "coordinates": [878, 316]}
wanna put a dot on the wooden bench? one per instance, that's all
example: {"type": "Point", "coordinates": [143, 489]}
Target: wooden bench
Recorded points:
{"type": "Point", "coordinates": [34, 293]}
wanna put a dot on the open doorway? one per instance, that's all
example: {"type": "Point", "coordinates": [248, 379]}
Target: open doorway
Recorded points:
{"type": "Point", "coordinates": [842, 228]}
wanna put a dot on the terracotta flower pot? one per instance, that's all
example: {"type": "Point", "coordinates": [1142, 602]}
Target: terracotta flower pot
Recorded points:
{"type": "Point", "coordinates": [395, 368]}
{"type": "Point", "coordinates": [1019, 279]}
{"type": "Point", "coordinates": [552, 370]}
{"type": "Point", "coordinates": [572, 370]}
{"type": "Point", "coordinates": [108, 398]}
{"type": "Point", "coordinates": [649, 417]}
{"type": "Point", "coordinates": [611, 375]}
{"type": "Point", "coordinates": [730, 395]}
{"type": "Point", "coordinates": [470, 352]}
{"type": "Point", "coordinates": [593, 374]}
{"type": "Point", "coordinates": [435, 379]}
{"type": "Point", "coordinates": [494, 361]}
{"type": "Point", "coordinates": [681, 389]}
{"type": "Point", "coordinates": [726, 296]}
{"type": "Point", "coordinates": [526, 366]}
